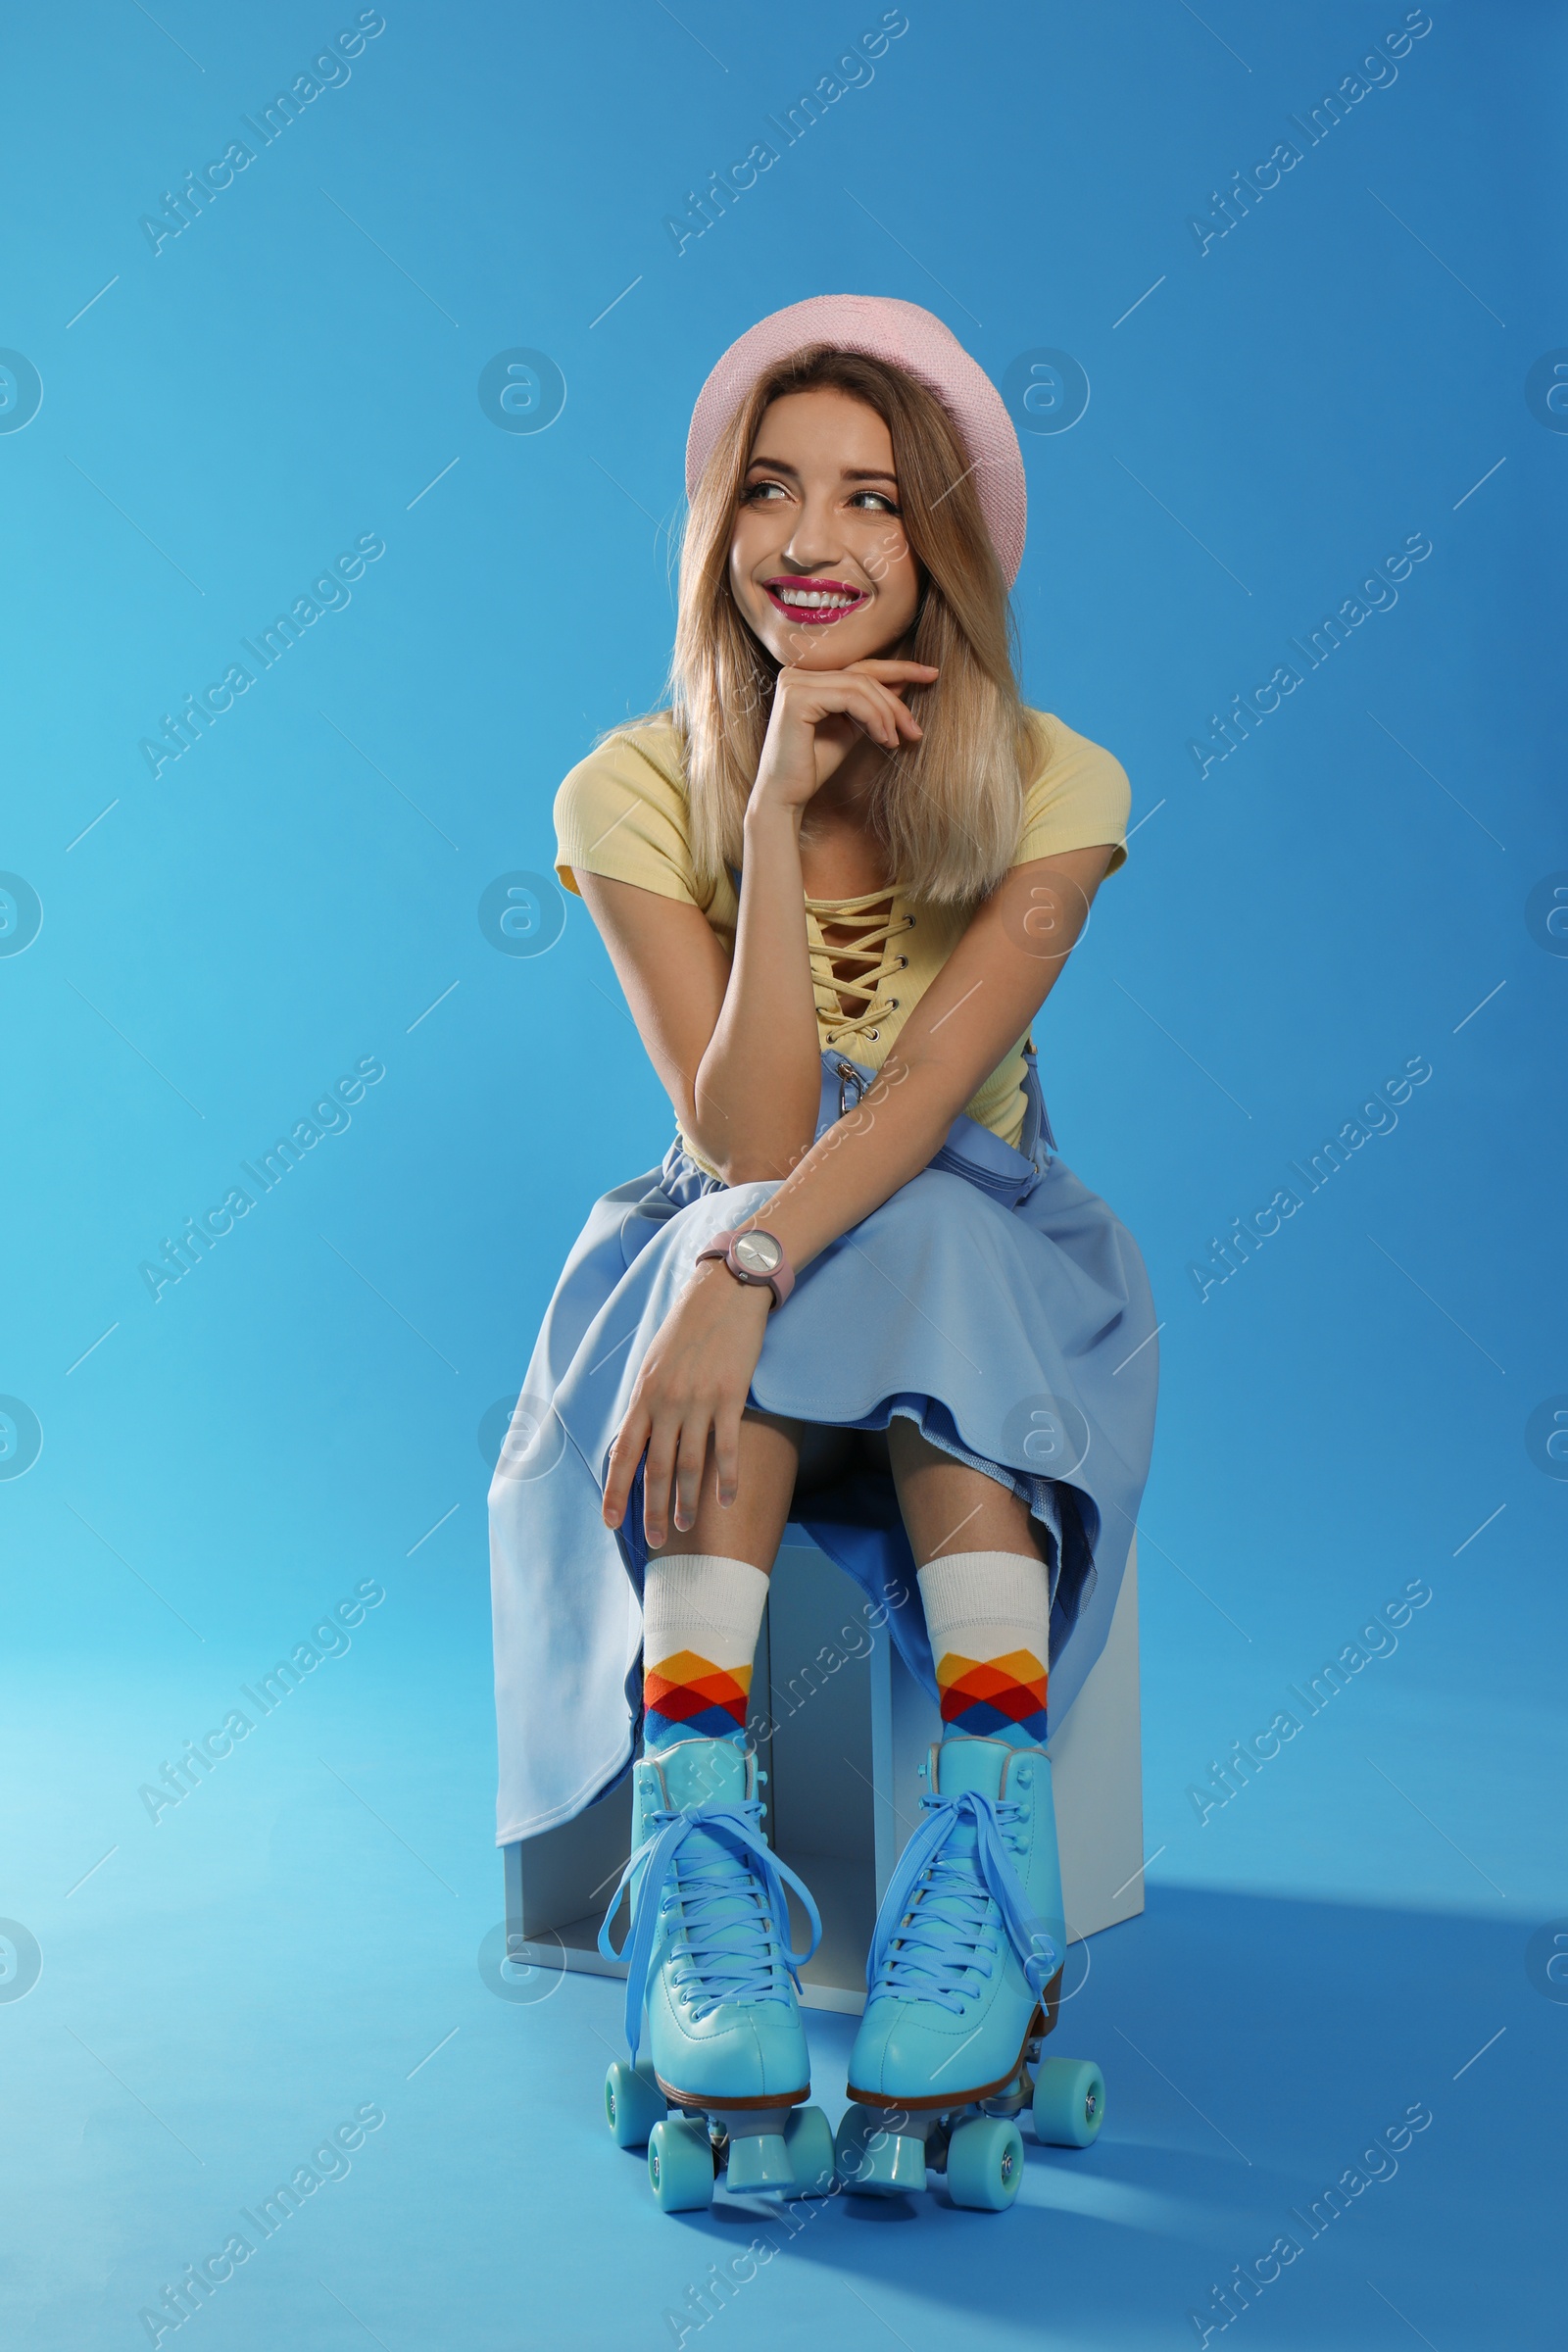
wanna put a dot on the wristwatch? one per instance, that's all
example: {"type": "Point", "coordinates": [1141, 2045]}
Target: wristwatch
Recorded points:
{"type": "Point", "coordinates": [755, 1259]}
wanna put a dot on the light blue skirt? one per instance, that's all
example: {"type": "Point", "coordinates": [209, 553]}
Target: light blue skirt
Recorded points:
{"type": "Point", "coordinates": [994, 1301]}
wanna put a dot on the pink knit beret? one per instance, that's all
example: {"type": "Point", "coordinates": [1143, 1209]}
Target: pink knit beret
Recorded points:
{"type": "Point", "coordinates": [884, 328]}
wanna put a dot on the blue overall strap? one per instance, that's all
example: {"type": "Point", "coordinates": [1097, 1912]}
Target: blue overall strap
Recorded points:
{"type": "Point", "coordinates": [945, 1816]}
{"type": "Point", "coordinates": [968, 1150]}
{"type": "Point", "coordinates": [729, 1828]}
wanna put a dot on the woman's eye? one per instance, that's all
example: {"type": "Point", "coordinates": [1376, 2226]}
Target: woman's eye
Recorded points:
{"type": "Point", "coordinates": [865, 502]}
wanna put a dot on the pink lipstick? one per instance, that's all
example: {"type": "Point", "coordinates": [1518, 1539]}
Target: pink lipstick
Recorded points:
{"type": "Point", "coordinates": [813, 603]}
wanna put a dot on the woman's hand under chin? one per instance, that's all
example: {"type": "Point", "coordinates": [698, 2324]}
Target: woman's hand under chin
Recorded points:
{"type": "Point", "coordinates": [694, 1383]}
{"type": "Point", "coordinates": [817, 717]}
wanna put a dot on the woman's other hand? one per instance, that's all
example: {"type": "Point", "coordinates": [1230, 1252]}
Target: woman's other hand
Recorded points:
{"type": "Point", "coordinates": [693, 1385]}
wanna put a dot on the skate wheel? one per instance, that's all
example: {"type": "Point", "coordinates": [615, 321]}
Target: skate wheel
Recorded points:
{"type": "Point", "coordinates": [872, 2159]}
{"type": "Point", "coordinates": [680, 2165]}
{"type": "Point", "coordinates": [984, 2164]}
{"type": "Point", "coordinates": [809, 2141]}
{"type": "Point", "coordinates": [1069, 2102]}
{"type": "Point", "coordinates": [634, 2105]}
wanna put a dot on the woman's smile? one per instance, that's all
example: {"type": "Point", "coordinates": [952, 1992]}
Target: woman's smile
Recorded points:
{"type": "Point", "coordinates": [814, 602]}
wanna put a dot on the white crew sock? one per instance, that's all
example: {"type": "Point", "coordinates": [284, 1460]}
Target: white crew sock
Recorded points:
{"type": "Point", "coordinates": [701, 1618]}
{"type": "Point", "coordinates": [988, 1614]}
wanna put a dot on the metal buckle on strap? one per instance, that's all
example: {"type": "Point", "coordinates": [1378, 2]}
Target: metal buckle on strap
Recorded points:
{"type": "Point", "coordinates": [848, 1075]}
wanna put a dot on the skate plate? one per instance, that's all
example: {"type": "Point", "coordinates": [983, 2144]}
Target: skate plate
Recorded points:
{"type": "Point", "coordinates": [758, 2151]}
{"type": "Point", "coordinates": [886, 2151]}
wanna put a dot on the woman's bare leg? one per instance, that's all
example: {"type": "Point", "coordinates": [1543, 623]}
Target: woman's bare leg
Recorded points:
{"type": "Point", "coordinates": [987, 1613]}
{"type": "Point", "coordinates": [707, 1584]}
{"type": "Point", "coordinates": [948, 1507]}
{"type": "Point", "coordinates": [775, 1455]}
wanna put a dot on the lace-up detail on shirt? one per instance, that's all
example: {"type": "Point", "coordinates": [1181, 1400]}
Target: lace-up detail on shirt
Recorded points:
{"type": "Point", "coordinates": [853, 976]}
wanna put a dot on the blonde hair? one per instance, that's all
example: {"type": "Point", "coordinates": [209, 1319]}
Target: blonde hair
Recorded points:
{"type": "Point", "coordinates": [948, 809]}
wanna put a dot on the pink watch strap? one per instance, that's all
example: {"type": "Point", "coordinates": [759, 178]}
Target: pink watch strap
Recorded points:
{"type": "Point", "coordinates": [781, 1282]}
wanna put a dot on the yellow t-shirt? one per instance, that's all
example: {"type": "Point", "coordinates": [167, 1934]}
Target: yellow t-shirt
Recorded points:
{"type": "Point", "coordinates": [623, 812]}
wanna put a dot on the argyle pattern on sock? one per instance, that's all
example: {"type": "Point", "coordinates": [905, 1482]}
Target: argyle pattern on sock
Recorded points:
{"type": "Point", "coordinates": [691, 1695]}
{"type": "Point", "coordinates": [993, 1695]}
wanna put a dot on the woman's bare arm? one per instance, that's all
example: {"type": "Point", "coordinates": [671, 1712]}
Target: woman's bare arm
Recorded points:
{"type": "Point", "coordinates": [980, 1004]}
{"type": "Point", "coordinates": [736, 1044]}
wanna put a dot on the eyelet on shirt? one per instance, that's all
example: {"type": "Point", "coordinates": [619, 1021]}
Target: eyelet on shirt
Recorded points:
{"type": "Point", "coordinates": [873, 1034]}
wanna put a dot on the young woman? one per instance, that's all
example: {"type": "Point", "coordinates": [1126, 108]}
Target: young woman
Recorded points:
{"type": "Point", "coordinates": [838, 879]}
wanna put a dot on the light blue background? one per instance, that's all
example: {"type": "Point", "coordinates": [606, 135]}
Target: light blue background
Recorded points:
{"type": "Point", "coordinates": [302, 886]}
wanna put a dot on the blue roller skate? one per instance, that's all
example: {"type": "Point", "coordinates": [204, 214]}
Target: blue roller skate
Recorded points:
{"type": "Point", "coordinates": [964, 1978]}
{"type": "Point", "coordinates": [706, 1953]}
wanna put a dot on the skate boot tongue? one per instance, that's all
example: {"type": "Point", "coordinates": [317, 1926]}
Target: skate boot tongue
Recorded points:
{"type": "Point", "coordinates": [702, 1772]}
{"type": "Point", "coordinates": [712, 1875]}
{"type": "Point", "coordinates": [698, 1773]}
{"type": "Point", "coordinates": [963, 1767]}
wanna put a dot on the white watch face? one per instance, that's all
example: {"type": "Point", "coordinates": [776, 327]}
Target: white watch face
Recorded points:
{"type": "Point", "coordinates": [758, 1253]}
